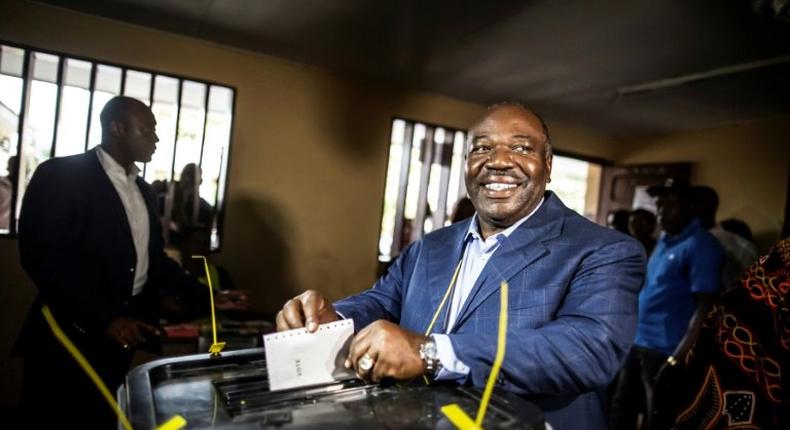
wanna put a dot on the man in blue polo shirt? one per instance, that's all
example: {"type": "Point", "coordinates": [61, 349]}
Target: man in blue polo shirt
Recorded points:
{"type": "Point", "coordinates": [683, 276]}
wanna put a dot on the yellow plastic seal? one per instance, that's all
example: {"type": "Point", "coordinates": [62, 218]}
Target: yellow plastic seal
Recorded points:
{"type": "Point", "coordinates": [175, 423]}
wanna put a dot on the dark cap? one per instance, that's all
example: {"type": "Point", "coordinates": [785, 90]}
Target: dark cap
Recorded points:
{"type": "Point", "coordinates": [670, 186]}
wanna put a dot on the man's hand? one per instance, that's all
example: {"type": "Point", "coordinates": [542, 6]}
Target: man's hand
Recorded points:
{"type": "Point", "coordinates": [307, 309]}
{"type": "Point", "coordinates": [129, 332]}
{"type": "Point", "coordinates": [232, 300]}
{"type": "Point", "coordinates": [395, 352]}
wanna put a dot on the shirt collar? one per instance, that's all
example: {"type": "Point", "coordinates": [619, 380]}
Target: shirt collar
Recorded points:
{"type": "Point", "coordinates": [113, 168]}
{"type": "Point", "coordinates": [474, 230]}
{"type": "Point", "coordinates": [687, 231]}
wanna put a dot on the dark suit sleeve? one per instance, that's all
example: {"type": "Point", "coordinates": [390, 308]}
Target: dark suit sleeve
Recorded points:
{"type": "Point", "coordinates": [175, 280]}
{"type": "Point", "coordinates": [384, 300]}
{"type": "Point", "coordinates": [51, 227]}
{"type": "Point", "coordinates": [583, 347]}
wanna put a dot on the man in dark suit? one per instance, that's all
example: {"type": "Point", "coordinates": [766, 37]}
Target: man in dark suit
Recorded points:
{"type": "Point", "coordinates": [91, 241]}
{"type": "Point", "coordinates": [572, 299]}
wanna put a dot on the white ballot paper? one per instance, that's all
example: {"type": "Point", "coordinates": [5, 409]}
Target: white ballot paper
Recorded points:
{"type": "Point", "coordinates": [296, 358]}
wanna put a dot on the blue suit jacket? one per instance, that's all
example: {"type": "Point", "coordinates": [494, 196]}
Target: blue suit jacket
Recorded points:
{"type": "Point", "coordinates": [572, 308]}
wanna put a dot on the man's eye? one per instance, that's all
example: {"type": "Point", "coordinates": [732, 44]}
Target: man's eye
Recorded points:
{"type": "Point", "coordinates": [521, 148]}
{"type": "Point", "coordinates": [480, 148]}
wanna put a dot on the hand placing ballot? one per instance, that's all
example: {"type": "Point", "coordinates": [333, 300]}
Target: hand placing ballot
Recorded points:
{"type": "Point", "coordinates": [298, 358]}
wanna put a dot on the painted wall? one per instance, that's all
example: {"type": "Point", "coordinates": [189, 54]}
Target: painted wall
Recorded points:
{"type": "Point", "coordinates": [307, 166]}
{"type": "Point", "coordinates": [747, 164]}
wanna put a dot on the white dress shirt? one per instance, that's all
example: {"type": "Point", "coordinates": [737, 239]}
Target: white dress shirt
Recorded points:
{"type": "Point", "coordinates": [136, 212]}
{"type": "Point", "coordinates": [476, 254]}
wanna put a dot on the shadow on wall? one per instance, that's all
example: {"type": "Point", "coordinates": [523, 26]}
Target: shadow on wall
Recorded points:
{"type": "Point", "coordinates": [354, 117]}
{"type": "Point", "coordinates": [259, 257]}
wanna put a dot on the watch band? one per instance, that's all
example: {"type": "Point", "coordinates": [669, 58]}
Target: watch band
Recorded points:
{"type": "Point", "coordinates": [429, 355]}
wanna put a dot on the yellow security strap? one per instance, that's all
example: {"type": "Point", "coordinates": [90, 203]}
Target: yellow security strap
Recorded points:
{"type": "Point", "coordinates": [72, 349]}
{"type": "Point", "coordinates": [175, 423]}
{"type": "Point", "coordinates": [216, 347]}
{"type": "Point", "coordinates": [453, 412]}
{"type": "Point", "coordinates": [458, 417]}
{"type": "Point", "coordinates": [500, 354]}
{"type": "Point", "coordinates": [444, 299]}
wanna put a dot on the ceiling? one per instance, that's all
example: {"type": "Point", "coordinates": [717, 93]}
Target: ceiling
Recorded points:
{"type": "Point", "coordinates": [623, 67]}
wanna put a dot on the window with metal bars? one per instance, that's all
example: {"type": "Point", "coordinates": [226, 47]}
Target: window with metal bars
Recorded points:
{"type": "Point", "coordinates": [50, 104]}
{"type": "Point", "coordinates": [424, 182]}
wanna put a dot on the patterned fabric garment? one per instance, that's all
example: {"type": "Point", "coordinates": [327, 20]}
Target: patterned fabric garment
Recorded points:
{"type": "Point", "coordinates": [736, 374]}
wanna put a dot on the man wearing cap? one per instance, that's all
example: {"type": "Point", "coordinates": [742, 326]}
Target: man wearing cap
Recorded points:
{"type": "Point", "coordinates": [683, 276]}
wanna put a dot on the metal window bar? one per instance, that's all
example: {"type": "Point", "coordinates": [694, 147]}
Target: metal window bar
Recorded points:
{"type": "Point", "coordinates": [123, 80]}
{"type": "Point", "coordinates": [214, 212]}
{"type": "Point", "coordinates": [444, 156]}
{"type": "Point", "coordinates": [150, 105]}
{"type": "Point", "coordinates": [462, 181]}
{"type": "Point", "coordinates": [426, 156]}
{"type": "Point", "coordinates": [403, 182]}
{"type": "Point", "coordinates": [26, 71]}
{"type": "Point", "coordinates": [58, 105]}
{"type": "Point", "coordinates": [91, 89]}
{"type": "Point", "coordinates": [178, 127]}
{"type": "Point", "coordinates": [205, 127]}
{"type": "Point", "coordinates": [223, 177]}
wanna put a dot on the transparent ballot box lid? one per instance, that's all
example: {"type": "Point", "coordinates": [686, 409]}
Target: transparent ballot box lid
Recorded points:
{"type": "Point", "coordinates": [232, 392]}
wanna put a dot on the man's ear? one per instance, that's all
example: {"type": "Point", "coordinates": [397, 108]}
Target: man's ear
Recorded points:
{"type": "Point", "coordinates": [549, 159]}
{"type": "Point", "coordinates": [117, 128]}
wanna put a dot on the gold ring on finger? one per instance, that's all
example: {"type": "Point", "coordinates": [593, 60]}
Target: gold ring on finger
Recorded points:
{"type": "Point", "coordinates": [365, 363]}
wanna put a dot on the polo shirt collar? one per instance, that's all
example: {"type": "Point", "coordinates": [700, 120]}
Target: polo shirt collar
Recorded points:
{"type": "Point", "coordinates": [687, 231]}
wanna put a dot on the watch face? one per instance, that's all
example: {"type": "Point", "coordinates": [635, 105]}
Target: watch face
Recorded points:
{"type": "Point", "coordinates": [429, 350]}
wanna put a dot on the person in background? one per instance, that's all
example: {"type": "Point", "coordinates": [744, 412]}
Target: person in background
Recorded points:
{"type": "Point", "coordinates": [618, 220]}
{"type": "Point", "coordinates": [573, 287]}
{"type": "Point", "coordinates": [739, 252]}
{"type": "Point", "coordinates": [683, 277]}
{"type": "Point", "coordinates": [642, 226]}
{"type": "Point", "coordinates": [739, 227]}
{"type": "Point", "coordinates": [190, 211]}
{"type": "Point", "coordinates": [91, 241]}
{"type": "Point", "coordinates": [7, 184]}
{"type": "Point", "coordinates": [736, 375]}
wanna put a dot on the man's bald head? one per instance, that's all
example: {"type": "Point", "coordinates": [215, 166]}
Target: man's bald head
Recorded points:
{"type": "Point", "coordinates": [119, 108]}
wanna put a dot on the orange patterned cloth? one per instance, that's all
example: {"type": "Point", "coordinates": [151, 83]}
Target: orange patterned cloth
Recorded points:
{"type": "Point", "coordinates": [736, 375]}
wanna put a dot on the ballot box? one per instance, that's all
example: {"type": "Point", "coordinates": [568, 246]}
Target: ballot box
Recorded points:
{"type": "Point", "coordinates": [232, 392]}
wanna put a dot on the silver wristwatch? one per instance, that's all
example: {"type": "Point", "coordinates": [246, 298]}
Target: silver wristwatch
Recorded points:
{"type": "Point", "coordinates": [429, 355]}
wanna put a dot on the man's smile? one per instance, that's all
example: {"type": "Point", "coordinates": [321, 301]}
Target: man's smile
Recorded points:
{"type": "Point", "coordinates": [499, 190]}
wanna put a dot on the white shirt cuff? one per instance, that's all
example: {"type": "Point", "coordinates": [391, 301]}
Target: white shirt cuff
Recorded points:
{"type": "Point", "coordinates": [452, 367]}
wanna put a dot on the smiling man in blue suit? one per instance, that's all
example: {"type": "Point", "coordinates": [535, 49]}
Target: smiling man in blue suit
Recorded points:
{"type": "Point", "coordinates": [573, 287]}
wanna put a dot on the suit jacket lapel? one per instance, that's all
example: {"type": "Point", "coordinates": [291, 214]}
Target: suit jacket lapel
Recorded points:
{"type": "Point", "coordinates": [442, 259]}
{"type": "Point", "coordinates": [517, 252]}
